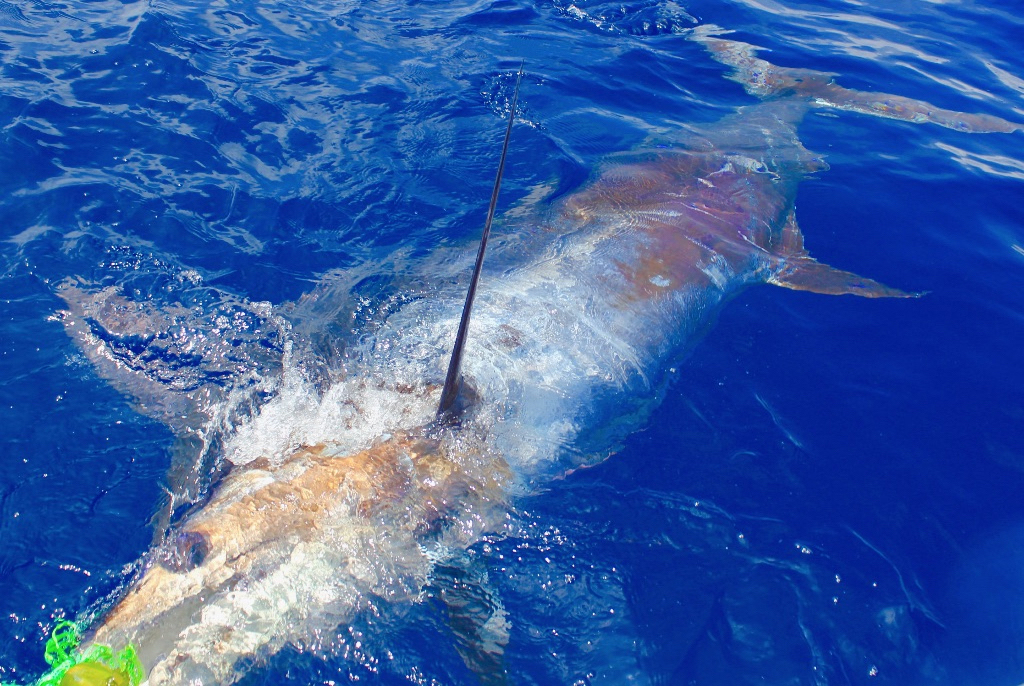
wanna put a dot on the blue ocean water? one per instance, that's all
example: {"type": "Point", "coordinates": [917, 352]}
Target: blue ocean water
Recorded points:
{"type": "Point", "coordinates": [829, 493]}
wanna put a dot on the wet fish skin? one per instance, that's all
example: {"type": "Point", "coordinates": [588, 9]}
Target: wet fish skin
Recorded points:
{"type": "Point", "coordinates": [253, 527]}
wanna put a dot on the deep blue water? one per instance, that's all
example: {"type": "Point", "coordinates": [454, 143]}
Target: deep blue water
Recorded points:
{"type": "Point", "coordinates": [830, 493]}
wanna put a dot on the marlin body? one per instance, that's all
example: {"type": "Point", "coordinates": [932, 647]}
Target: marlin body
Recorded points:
{"type": "Point", "coordinates": [568, 354]}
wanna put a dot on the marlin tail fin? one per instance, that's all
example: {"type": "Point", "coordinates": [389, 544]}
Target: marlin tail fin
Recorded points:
{"type": "Point", "coordinates": [768, 81]}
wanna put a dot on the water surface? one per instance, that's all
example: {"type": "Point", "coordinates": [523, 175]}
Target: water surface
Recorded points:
{"type": "Point", "coordinates": [829, 492]}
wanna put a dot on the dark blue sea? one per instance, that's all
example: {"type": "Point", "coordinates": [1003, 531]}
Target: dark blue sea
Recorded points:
{"type": "Point", "coordinates": [831, 490]}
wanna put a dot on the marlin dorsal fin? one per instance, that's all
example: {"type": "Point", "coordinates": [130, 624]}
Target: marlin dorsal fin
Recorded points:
{"type": "Point", "coordinates": [453, 381]}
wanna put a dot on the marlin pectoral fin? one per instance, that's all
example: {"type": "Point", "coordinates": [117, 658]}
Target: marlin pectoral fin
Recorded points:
{"type": "Point", "coordinates": [804, 273]}
{"type": "Point", "coordinates": [477, 618]}
{"type": "Point", "coordinates": [193, 473]}
{"type": "Point", "coordinates": [796, 269]}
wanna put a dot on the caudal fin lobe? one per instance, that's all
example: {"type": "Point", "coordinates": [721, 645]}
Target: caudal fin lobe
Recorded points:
{"type": "Point", "coordinates": [818, 89]}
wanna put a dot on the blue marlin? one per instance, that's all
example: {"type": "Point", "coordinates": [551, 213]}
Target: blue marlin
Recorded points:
{"type": "Point", "coordinates": [602, 291]}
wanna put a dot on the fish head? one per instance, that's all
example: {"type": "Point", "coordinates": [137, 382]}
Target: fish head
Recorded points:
{"type": "Point", "coordinates": [280, 552]}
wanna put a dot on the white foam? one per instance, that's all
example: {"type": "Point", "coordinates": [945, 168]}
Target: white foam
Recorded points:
{"type": "Point", "coordinates": [348, 417]}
